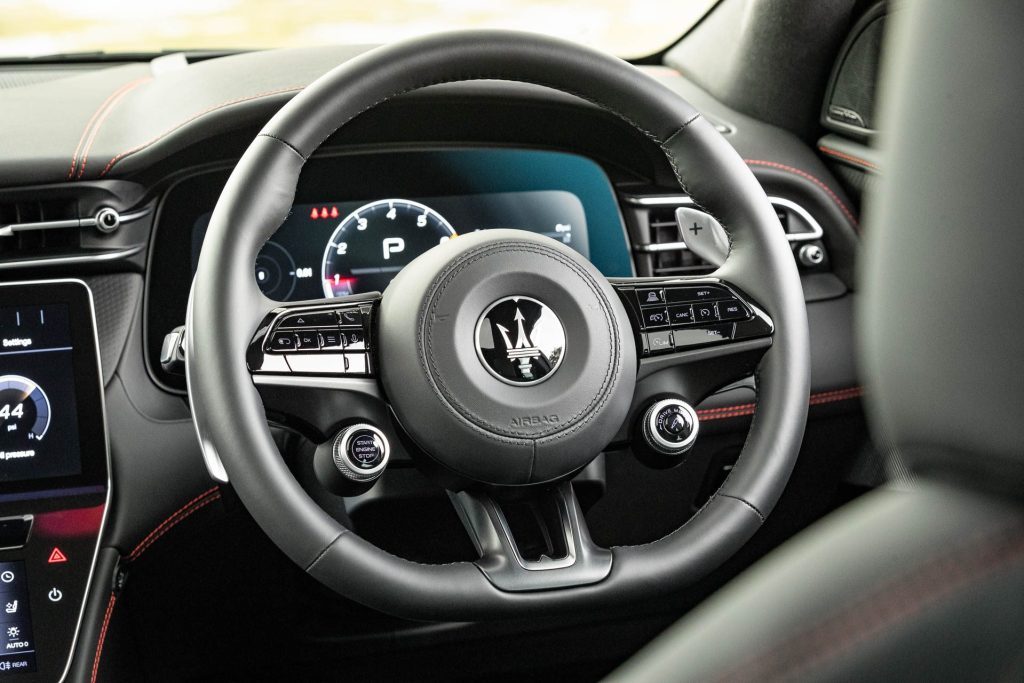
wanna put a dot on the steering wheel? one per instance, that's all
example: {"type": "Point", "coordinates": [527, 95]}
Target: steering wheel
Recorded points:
{"type": "Point", "coordinates": [484, 421]}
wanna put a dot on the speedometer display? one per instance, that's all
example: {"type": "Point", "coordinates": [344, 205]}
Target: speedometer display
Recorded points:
{"type": "Point", "coordinates": [377, 240]}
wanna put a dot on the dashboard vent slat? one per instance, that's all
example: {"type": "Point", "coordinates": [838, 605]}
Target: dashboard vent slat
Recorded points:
{"type": "Point", "coordinates": [32, 243]}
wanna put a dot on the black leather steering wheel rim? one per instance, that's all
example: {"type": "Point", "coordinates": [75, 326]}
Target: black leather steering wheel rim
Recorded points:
{"type": "Point", "coordinates": [226, 306]}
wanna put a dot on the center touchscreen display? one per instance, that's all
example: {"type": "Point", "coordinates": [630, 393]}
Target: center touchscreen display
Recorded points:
{"type": "Point", "coordinates": [39, 436]}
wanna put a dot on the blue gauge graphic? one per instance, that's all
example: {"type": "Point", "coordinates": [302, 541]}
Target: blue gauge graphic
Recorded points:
{"type": "Point", "coordinates": [24, 412]}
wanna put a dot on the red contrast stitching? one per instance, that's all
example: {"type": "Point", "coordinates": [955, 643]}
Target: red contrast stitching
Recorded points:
{"type": "Point", "coordinates": [804, 174]}
{"type": "Point", "coordinates": [99, 124]}
{"type": "Point", "coordinates": [222, 105]}
{"type": "Point", "coordinates": [896, 601]}
{"type": "Point", "coordinates": [88, 126]}
{"type": "Point", "coordinates": [745, 409]}
{"type": "Point", "coordinates": [197, 503]}
{"type": "Point", "coordinates": [847, 157]}
{"type": "Point", "coordinates": [103, 637]}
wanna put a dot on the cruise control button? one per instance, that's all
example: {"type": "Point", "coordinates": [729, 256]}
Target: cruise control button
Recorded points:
{"type": "Point", "coordinates": [660, 342]}
{"type": "Point", "coordinates": [308, 340]}
{"type": "Point", "coordinates": [685, 294]}
{"type": "Point", "coordinates": [648, 297]}
{"type": "Point", "coordinates": [699, 336]}
{"type": "Point", "coordinates": [704, 312]}
{"type": "Point", "coordinates": [330, 339]}
{"type": "Point", "coordinates": [731, 309]}
{"type": "Point", "coordinates": [680, 315]}
{"type": "Point", "coordinates": [309, 320]}
{"type": "Point", "coordinates": [654, 317]}
{"type": "Point", "coordinates": [282, 341]}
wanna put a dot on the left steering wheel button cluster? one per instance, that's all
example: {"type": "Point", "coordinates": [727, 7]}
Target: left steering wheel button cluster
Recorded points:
{"type": "Point", "coordinates": [318, 342]}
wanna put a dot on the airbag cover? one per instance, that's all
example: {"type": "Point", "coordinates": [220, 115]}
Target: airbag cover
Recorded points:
{"type": "Point", "coordinates": [534, 424]}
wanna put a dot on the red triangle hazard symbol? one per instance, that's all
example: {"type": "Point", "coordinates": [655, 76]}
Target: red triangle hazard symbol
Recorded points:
{"type": "Point", "coordinates": [57, 556]}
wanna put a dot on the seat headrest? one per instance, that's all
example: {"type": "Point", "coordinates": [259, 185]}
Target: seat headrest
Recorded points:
{"type": "Point", "coordinates": [941, 318]}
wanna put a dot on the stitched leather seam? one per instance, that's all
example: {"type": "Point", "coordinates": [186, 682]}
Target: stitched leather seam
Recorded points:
{"type": "Point", "coordinates": [192, 506]}
{"type": "Point", "coordinates": [848, 157]}
{"type": "Point", "coordinates": [750, 505]}
{"type": "Point", "coordinates": [323, 552]}
{"type": "Point", "coordinates": [744, 409]}
{"type": "Point", "coordinates": [197, 503]}
{"type": "Point", "coordinates": [102, 637]}
{"type": "Point", "coordinates": [286, 144]}
{"type": "Point", "coordinates": [209, 110]}
{"type": "Point", "coordinates": [92, 119]}
{"type": "Point", "coordinates": [807, 176]}
{"type": "Point", "coordinates": [99, 124]}
{"type": "Point", "coordinates": [928, 583]}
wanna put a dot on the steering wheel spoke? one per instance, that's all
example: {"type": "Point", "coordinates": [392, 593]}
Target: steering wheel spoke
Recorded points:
{"type": "Point", "coordinates": [536, 542]}
{"type": "Point", "coordinates": [313, 343]}
{"type": "Point", "coordinates": [705, 330]}
{"type": "Point", "coordinates": [314, 361]}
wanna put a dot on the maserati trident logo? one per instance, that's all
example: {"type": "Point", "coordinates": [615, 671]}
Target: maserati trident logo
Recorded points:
{"type": "Point", "coordinates": [520, 340]}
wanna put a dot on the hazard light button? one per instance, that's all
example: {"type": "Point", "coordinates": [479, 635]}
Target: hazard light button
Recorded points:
{"type": "Point", "coordinates": [57, 556]}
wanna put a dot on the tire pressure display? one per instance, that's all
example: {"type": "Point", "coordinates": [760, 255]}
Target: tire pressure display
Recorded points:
{"type": "Point", "coordinates": [38, 417]}
{"type": "Point", "coordinates": [24, 412]}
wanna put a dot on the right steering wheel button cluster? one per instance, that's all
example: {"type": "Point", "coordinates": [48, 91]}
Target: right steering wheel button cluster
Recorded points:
{"type": "Point", "coordinates": [671, 315]}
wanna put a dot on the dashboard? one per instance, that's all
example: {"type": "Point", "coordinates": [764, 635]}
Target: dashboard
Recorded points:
{"type": "Point", "coordinates": [349, 241]}
{"type": "Point", "coordinates": [486, 163]}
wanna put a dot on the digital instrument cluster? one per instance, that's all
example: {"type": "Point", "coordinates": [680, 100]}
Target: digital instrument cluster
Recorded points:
{"type": "Point", "coordinates": [331, 249]}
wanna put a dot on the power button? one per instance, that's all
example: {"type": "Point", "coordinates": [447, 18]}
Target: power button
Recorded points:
{"type": "Point", "coordinates": [55, 594]}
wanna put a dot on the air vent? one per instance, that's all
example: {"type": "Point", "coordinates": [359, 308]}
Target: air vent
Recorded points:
{"type": "Point", "coordinates": [37, 228]}
{"type": "Point", "coordinates": [675, 258]}
{"type": "Point", "coordinates": [661, 248]}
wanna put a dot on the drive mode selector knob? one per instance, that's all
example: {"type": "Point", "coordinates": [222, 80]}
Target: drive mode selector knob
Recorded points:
{"type": "Point", "coordinates": [670, 426]}
{"type": "Point", "coordinates": [353, 460]}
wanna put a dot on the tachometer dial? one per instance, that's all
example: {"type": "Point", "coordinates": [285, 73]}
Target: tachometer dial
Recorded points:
{"type": "Point", "coordinates": [376, 241]}
{"type": "Point", "coordinates": [24, 413]}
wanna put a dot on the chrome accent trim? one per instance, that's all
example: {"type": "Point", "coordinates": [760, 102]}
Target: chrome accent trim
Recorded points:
{"type": "Point", "coordinates": [214, 465]}
{"type": "Point", "coordinates": [659, 443]}
{"type": "Point", "coordinates": [343, 461]}
{"type": "Point", "coordinates": [87, 222]}
{"type": "Point", "coordinates": [816, 232]}
{"type": "Point", "coordinates": [359, 385]}
{"type": "Point", "coordinates": [114, 255]}
{"type": "Point", "coordinates": [110, 466]}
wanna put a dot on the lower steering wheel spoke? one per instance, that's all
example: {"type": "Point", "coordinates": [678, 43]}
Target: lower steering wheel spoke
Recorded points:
{"type": "Point", "coordinates": [536, 541]}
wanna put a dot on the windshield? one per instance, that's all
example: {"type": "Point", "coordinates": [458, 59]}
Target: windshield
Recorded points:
{"type": "Point", "coordinates": [628, 28]}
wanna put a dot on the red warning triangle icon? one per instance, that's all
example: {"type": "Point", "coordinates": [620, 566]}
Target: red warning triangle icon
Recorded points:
{"type": "Point", "coordinates": [57, 556]}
